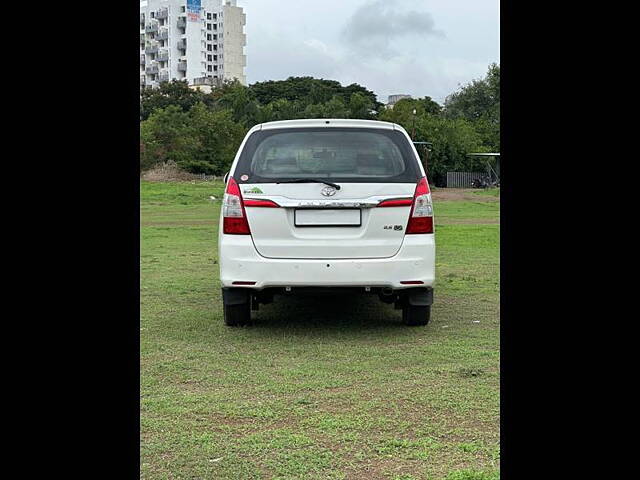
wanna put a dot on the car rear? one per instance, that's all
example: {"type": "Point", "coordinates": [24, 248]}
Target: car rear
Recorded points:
{"type": "Point", "coordinates": [327, 204]}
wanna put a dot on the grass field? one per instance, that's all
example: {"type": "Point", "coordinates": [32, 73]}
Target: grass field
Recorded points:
{"type": "Point", "coordinates": [325, 388]}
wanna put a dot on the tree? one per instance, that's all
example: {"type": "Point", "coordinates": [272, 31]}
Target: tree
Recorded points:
{"type": "Point", "coordinates": [167, 136]}
{"type": "Point", "coordinates": [201, 132]}
{"type": "Point", "coordinates": [240, 100]}
{"type": "Point", "coordinates": [479, 102]}
{"type": "Point", "coordinates": [430, 105]}
{"type": "Point", "coordinates": [218, 138]}
{"type": "Point", "coordinates": [199, 141]}
{"type": "Point", "coordinates": [360, 106]}
{"type": "Point", "coordinates": [336, 108]}
{"type": "Point", "coordinates": [402, 111]}
{"type": "Point", "coordinates": [176, 93]}
{"type": "Point", "coordinates": [356, 88]}
{"type": "Point", "coordinates": [309, 91]}
{"type": "Point", "coordinates": [452, 140]}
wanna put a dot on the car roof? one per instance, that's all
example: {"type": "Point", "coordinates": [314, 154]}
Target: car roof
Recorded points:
{"type": "Point", "coordinates": [329, 122]}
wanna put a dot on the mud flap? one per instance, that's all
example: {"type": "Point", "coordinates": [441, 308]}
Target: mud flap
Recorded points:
{"type": "Point", "coordinates": [235, 296]}
{"type": "Point", "coordinates": [420, 297]}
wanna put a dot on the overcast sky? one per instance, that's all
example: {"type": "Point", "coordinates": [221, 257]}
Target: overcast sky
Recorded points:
{"type": "Point", "coordinates": [419, 47]}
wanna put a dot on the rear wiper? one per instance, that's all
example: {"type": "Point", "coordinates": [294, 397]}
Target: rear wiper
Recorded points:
{"type": "Point", "coordinates": [311, 180]}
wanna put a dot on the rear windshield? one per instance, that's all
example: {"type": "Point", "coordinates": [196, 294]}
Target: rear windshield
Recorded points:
{"type": "Point", "coordinates": [339, 154]}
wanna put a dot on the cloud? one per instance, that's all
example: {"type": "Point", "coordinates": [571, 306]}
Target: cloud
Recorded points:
{"type": "Point", "coordinates": [316, 44]}
{"type": "Point", "coordinates": [390, 47]}
{"type": "Point", "coordinates": [375, 25]}
{"type": "Point", "coordinates": [278, 56]}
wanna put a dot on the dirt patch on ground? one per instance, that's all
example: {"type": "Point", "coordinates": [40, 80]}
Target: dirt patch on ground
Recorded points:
{"type": "Point", "coordinates": [169, 172]}
{"type": "Point", "coordinates": [461, 194]}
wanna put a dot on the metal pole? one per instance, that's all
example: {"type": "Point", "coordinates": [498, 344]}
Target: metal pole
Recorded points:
{"type": "Point", "coordinates": [426, 160]}
{"type": "Point", "coordinates": [413, 132]}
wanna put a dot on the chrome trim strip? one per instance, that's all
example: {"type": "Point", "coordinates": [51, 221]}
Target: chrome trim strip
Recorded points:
{"type": "Point", "coordinates": [368, 202]}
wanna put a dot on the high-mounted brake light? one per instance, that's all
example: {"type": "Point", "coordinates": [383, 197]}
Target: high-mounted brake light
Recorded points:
{"type": "Point", "coordinates": [234, 217]}
{"type": "Point", "coordinates": [421, 217]}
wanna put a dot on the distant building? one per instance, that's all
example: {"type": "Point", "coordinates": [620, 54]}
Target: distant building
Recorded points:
{"type": "Point", "coordinates": [204, 84]}
{"type": "Point", "coordinates": [201, 41]}
{"type": "Point", "coordinates": [393, 99]}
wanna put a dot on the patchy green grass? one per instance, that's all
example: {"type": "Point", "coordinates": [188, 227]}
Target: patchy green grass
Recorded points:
{"type": "Point", "coordinates": [319, 388]}
{"type": "Point", "coordinates": [489, 192]}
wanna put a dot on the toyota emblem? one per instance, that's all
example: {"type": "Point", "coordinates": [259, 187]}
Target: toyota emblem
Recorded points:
{"type": "Point", "coordinates": [328, 191]}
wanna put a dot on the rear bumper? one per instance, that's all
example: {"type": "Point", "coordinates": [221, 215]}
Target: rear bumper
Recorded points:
{"type": "Point", "coordinates": [240, 262]}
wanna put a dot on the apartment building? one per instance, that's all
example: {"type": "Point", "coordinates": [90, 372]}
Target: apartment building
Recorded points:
{"type": "Point", "coordinates": [201, 41]}
{"type": "Point", "coordinates": [393, 99]}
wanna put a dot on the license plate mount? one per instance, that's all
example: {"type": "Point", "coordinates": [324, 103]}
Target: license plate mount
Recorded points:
{"type": "Point", "coordinates": [328, 217]}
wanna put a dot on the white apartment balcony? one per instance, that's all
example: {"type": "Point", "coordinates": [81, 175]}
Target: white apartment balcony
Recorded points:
{"type": "Point", "coordinates": [182, 66]}
{"type": "Point", "coordinates": [152, 69]}
{"type": "Point", "coordinates": [141, 38]}
{"type": "Point", "coordinates": [163, 34]}
{"type": "Point", "coordinates": [162, 13]}
{"type": "Point", "coordinates": [182, 44]}
{"type": "Point", "coordinates": [151, 48]}
{"type": "Point", "coordinates": [142, 60]}
{"type": "Point", "coordinates": [163, 55]}
{"type": "Point", "coordinates": [151, 27]}
{"type": "Point", "coordinates": [182, 22]}
{"type": "Point", "coordinates": [164, 76]}
{"type": "Point", "coordinates": [143, 80]}
{"type": "Point", "coordinates": [142, 18]}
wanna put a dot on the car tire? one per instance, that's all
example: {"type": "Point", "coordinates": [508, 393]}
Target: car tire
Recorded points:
{"type": "Point", "coordinates": [237, 315]}
{"type": "Point", "coordinates": [416, 316]}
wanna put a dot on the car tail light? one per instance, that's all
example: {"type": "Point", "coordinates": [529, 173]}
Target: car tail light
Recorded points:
{"type": "Point", "coordinates": [421, 217]}
{"type": "Point", "coordinates": [234, 217]}
{"type": "Point", "coordinates": [396, 202]}
{"type": "Point", "coordinates": [261, 203]}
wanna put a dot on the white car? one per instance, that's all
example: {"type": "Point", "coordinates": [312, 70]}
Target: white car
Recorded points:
{"type": "Point", "coordinates": [327, 205]}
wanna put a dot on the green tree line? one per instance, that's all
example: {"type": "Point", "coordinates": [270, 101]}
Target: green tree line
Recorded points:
{"type": "Point", "coordinates": [201, 132]}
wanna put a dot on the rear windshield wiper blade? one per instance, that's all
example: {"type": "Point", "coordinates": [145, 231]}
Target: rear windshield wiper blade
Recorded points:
{"type": "Point", "coordinates": [312, 180]}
